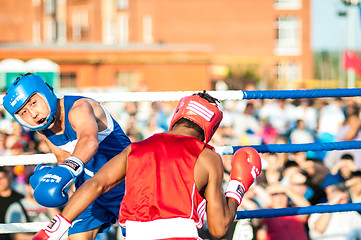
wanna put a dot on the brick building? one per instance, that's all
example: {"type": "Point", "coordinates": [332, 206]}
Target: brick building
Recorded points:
{"type": "Point", "coordinates": [164, 44]}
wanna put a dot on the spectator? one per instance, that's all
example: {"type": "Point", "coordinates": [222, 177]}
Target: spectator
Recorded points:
{"type": "Point", "coordinates": [315, 169]}
{"type": "Point", "coordinates": [345, 166]}
{"type": "Point", "coordinates": [354, 185]}
{"type": "Point", "coordinates": [268, 133]}
{"type": "Point", "coordinates": [5, 123]}
{"type": "Point", "coordinates": [151, 127]}
{"type": "Point", "coordinates": [246, 126]}
{"type": "Point", "coordinates": [19, 135]}
{"type": "Point", "coordinates": [19, 170]}
{"type": "Point", "coordinates": [350, 131]}
{"type": "Point", "coordinates": [4, 151]}
{"type": "Point", "coordinates": [301, 184]}
{"type": "Point", "coordinates": [42, 147]}
{"type": "Point", "coordinates": [283, 156]}
{"type": "Point", "coordinates": [280, 114]}
{"type": "Point", "coordinates": [307, 113]}
{"type": "Point", "coordinates": [331, 179]}
{"type": "Point", "coordinates": [288, 169]}
{"type": "Point", "coordinates": [350, 106]}
{"type": "Point", "coordinates": [132, 130]}
{"type": "Point", "coordinates": [330, 120]}
{"type": "Point", "coordinates": [271, 172]}
{"type": "Point", "coordinates": [28, 210]}
{"type": "Point", "coordinates": [301, 134]}
{"type": "Point", "coordinates": [336, 225]}
{"type": "Point", "coordinates": [287, 227]}
{"type": "Point", "coordinates": [7, 196]}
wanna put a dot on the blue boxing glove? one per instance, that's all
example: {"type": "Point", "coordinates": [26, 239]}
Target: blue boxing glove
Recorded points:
{"type": "Point", "coordinates": [51, 191]}
{"type": "Point", "coordinates": [39, 172]}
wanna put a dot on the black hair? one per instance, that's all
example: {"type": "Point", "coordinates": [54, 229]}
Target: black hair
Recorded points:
{"type": "Point", "coordinates": [5, 170]}
{"type": "Point", "coordinates": [190, 124]}
{"type": "Point", "coordinates": [208, 97]}
{"type": "Point", "coordinates": [289, 164]}
{"type": "Point", "coordinates": [356, 174]}
{"type": "Point", "coordinates": [347, 157]}
{"type": "Point", "coordinates": [8, 171]}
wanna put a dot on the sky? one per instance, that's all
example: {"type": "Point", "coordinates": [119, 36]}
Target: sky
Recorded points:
{"type": "Point", "coordinates": [329, 31]}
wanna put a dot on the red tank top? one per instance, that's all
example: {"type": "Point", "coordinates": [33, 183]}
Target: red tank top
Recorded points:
{"type": "Point", "coordinates": [160, 180]}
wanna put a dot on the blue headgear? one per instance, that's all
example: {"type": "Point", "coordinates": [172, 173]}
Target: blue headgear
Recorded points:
{"type": "Point", "coordinates": [20, 92]}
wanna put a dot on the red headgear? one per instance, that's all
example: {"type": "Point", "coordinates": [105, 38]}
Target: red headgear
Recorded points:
{"type": "Point", "coordinates": [198, 110]}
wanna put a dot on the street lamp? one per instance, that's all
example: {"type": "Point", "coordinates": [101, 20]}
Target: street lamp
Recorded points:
{"type": "Point", "coordinates": [352, 8]}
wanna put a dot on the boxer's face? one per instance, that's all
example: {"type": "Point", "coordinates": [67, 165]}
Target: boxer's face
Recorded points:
{"type": "Point", "coordinates": [35, 111]}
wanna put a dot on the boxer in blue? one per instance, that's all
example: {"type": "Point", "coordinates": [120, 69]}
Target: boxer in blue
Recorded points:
{"type": "Point", "coordinates": [83, 137]}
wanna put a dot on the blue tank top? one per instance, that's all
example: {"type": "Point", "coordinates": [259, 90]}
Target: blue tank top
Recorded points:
{"type": "Point", "coordinates": [112, 141]}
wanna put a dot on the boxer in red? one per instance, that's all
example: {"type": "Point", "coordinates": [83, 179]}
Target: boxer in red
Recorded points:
{"type": "Point", "coordinates": [172, 179]}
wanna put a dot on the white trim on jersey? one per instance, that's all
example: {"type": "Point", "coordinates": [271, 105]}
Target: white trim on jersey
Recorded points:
{"type": "Point", "coordinates": [161, 229]}
{"type": "Point", "coordinates": [103, 134]}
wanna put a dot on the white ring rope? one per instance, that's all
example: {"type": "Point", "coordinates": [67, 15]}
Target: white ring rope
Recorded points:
{"type": "Point", "coordinates": [151, 96]}
{"type": "Point", "coordinates": [31, 227]}
{"type": "Point", "coordinates": [33, 159]}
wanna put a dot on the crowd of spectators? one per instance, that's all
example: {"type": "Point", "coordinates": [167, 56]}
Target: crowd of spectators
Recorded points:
{"type": "Point", "coordinates": [287, 179]}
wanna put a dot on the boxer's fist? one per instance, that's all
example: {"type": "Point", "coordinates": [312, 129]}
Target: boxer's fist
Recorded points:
{"type": "Point", "coordinates": [246, 166]}
{"type": "Point", "coordinates": [39, 172]}
{"type": "Point", "coordinates": [51, 191]}
{"type": "Point", "coordinates": [56, 230]}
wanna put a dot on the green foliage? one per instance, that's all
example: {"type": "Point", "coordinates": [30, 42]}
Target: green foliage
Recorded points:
{"type": "Point", "coordinates": [239, 77]}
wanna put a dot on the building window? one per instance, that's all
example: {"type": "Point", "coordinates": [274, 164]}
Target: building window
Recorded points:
{"type": "Point", "coordinates": [122, 4]}
{"type": "Point", "coordinates": [68, 80]}
{"type": "Point", "coordinates": [49, 30]}
{"type": "Point", "coordinates": [49, 7]}
{"type": "Point", "coordinates": [288, 36]}
{"type": "Point", "coordinates": [61, 32]}
{"type": "Point", "coordinates": [128, 80]}
{"type": "Point", "coordinates": [36, 3]}
{"type": "Point", "coordinates": [288, 4]}
{"type": "Point", "coordinates": [80, 25]}
{"type": "Point", "coordinates": [147, 29]}
{"type": "Point", "coordinates": [288, 74]}
{"type": "Point", "coordinates": [109, 31]}
{"type": "Point", "coordinates": [36, 32]}
{"type": "Point", "coordinates": [123, 28]}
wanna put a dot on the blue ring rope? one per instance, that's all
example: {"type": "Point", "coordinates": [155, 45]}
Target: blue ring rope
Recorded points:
{"type": "Point", "coordinates": [279, 212]}
{"type": "Point", "coordinates": [288, 148]}
{"type": "Point", "coordinates": [293, 94]}
{"type": "Point", "coordinates": [304, 147]}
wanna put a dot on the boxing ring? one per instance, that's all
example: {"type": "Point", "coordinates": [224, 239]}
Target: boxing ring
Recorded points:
{"type": "Point", "coordinates": [223, 150]}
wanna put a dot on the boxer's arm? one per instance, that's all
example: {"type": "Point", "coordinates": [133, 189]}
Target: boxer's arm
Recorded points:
{"type": "Point", "coordinates": [109, 176]}
{"type": "Point", "coordinates": [84, 121]}
{"type": "Point", "coordinates": [221, 210]}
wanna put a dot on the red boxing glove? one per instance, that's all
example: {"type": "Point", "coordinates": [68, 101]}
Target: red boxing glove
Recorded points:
{"type": "Point", "coordinates": [246, 166]}
{"type": "Point", "coordinates": [56, 230]}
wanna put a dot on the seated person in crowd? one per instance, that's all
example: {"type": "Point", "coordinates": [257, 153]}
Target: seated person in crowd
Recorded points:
{"type": "Point", "coordinates": [28, 210]}
{"type": "Point", "coordinates": [287, 227]}
{"type": "Point", "coordinates": [336, 225]}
